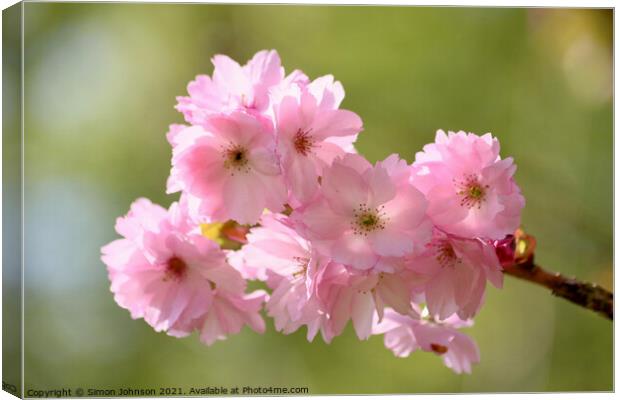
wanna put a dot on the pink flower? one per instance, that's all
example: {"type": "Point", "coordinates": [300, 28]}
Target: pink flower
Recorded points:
{"type": "Point", "coordinates": [312, 131]}
{"type": "Point", "coordinates": [469, 188]}
{"type": "Point", "coordinates": [234, 87]}
{"type": "Point", "coordinates": [229, 313]}
{"type": "Point", "coordinates": [277, 254]}
{"type": "Point", "coordinates": [228, 169]}
{"type": "Point", "coordinates": [175, 279]}
{"type": "Point", "coordinates": [365, 213]}
{"type": "Point", "coordinates": [348, 294]}
{"type": "Point", "coordinates": [272, 246]}
{"type": "Point", "coordinates": [405, 334]}
{"type": "Point", "coordinates": [310, 290]}
{"type": "Point", "coordinates": [456, 272]}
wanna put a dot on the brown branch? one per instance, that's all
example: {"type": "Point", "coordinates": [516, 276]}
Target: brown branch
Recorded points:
{"type": "Point", "coordinates": [584, 294]}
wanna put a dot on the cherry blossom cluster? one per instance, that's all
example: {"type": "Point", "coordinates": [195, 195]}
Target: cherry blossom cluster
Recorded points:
{"type": "Point", "coordinates": [400, 250]}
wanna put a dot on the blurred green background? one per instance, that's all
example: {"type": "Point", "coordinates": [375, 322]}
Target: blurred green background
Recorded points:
{"type": "Point", "coordinates": [101, 81]}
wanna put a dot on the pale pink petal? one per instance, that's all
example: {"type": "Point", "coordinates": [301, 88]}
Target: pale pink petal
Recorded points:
{"type": "Point", "coordinates": [328, 92]}
{"type": "Point", "coordinates": [440, 295]}
{"type": "Point", "coordinates": [344, 189]}
{"type": "Point", "coordinates": [265, 68]}
{"type": "Point", "coordinates": [354, 250]}
{"type": "Point", "coordinates": [265, 161]}
{"type": "Point", "coordinates": [244, 198]}
{"type": "Point", "coordinates": [381, 186]}
{"type": "Point", "coordinates": [362, 312]}
{"type": "Point", "coordinates": [389, 242]}
{"type": "Point", "coordinates": [288, 120]}
{"type": "Point", "coordinates": [302, 177]}
{"type": "Point", "coordinates": [462, 353]}
{"type": "Point", "coordinates": [336, 123]}
{"type": "Point", "coordinates": [228, 73]}
{"type": "Point", "coordinates": [323, 222]}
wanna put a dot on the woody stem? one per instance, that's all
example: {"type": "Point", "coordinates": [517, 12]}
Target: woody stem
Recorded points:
{"type": "Point", "coordinates": [584, 294]}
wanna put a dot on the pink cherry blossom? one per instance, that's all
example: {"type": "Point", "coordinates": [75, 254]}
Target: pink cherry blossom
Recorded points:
{"type": "Point", "coordinates": [360, 243]}
{"type": "Point", "coordinates": [406, 334]}
{"type": "Point", "coordinates": [359, 296]}
{"type": "Point", "coordinates": [456, 273]}
{"type": "Point", "coordinates": [229, 313]}
{"type": "Point", "coordinates": [312, 131]}
{"type": "Point", "coordinates": [234, 87]}
{"type": "Point", "coordinates": [470, 189]}
{"type": "Point", "coordinates": [228, 169]}
{"type": "Point", "coordinates": [309, 289]}
{"type": "Point", "coordinates": [177, 280]}
{"type": "Point", "coordinates": [365, 213]}
{"type": "Point", "coordinates": [276, 254]}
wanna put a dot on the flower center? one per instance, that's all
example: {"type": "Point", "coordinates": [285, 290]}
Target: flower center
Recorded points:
{"type": "Point", "coordinates": [176, 268]}
{"type": "Point", "coordinates": [303, 142]}
{"type": "Point", "coordinates": [366, 220]}
{"type": "Point", "coordinates": [445, 254]}
{"type": "Point", "coordinates": [302, 263]}
{"type": "Point", "coordinates": [471, 191]}
{"type": "Point", "coordinates": [236, 159]}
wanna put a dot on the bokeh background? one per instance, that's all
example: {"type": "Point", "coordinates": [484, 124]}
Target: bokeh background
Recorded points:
{"type": "Point", "coordinates": [101, 81]}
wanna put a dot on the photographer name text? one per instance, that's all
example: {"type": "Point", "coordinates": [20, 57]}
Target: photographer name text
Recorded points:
{"type": "Point", "coordinates": [165, 391]}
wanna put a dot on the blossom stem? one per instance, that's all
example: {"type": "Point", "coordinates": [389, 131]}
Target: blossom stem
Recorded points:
{"type": "Point", "coordinates": [584, 294]}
